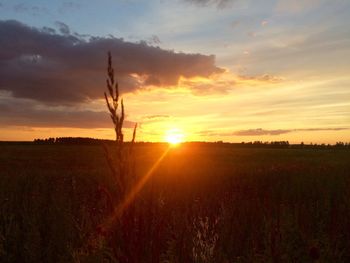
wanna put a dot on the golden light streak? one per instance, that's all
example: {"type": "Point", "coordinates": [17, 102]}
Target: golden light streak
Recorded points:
{"type": "Point", "coordinates": [118, 211]}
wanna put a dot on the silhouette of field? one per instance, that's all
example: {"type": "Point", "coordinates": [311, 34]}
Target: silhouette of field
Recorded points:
{"type": "Point", "coordinates": [203, 203]}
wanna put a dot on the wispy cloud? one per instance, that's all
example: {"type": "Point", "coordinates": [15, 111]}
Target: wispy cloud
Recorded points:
{"type": "Point", "coordinates": [262, 78]}
{"type": "Point", "coordinates": [264, 23]}
{"type": "Point", "coordinates": [257, 132]}
{"type": "Point", "coordinates": [264, 132]}
{"type": "Point", "coordinates": [69, 6]}
{"type": "Point", "coordinates": [29, 8]}
{"type": "Point", "coordinates": [157, 117]}
{"type": "Point", "coordinates": [289, 6]}
{"type": "Point", "coordinates": [218, 3]}
{"type": "Point", "coordinates": [225, 82]}
{"type": "Point", "coordinates": [260, 132]}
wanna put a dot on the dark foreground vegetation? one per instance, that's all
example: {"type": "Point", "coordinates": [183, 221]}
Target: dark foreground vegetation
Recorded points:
{"type": "Point", "coordinates": [203, 203]}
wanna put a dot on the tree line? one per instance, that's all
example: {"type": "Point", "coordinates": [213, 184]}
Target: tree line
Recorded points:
{"type": "Point", "coordinates": [254, 144]}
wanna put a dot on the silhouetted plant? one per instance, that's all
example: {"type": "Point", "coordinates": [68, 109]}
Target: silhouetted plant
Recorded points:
{"type": "Point", "coordinates": [115, 105]}
{"type": "Point", "coordinates": [123, 235]}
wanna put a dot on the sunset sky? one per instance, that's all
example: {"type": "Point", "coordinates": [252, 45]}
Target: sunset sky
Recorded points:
{"type": "Point", "coordinates": [209, 70]}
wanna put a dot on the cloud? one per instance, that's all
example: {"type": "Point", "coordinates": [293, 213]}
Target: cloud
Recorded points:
{"type": "Point", "coordinates": [63, 28]}
{"type": "Point", "coordinates": [154, 40]}
{"type": "Point", "coordinates": [235, 24]}
{"type": "Point", "coordinates": [69, 6]}
{"type": "Point", "coordinates": [209, 87]}
{"type": "Point", "coordinates": [49, 30]}
{"type": "Point", "coordinates": [218, 3]}
{"type": "Point", "coordinates": [287, 6]}
{"type": "Point", "coordinates": [250, 132]}
{"type": "Point", "coordinates": [257, 132]}
{"type": "Point", "coordinates": [261, 132]}
{"type": "Point", "coordinates": [157, 117]}
{"type": "Point", "coordinates": [43, 65]}
{"type": "Point", "coordinates": [27, 113]}
{"type": "Point", "coordinates": [223, 83]}
{"type": "Point", "coordinates": [262, 78]}
{"type": "Point", "coordinates": [264, 22]}
{"type": "Point", "coordinates": [30, 9]}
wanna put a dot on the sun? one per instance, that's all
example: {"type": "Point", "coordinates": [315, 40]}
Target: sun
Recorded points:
{"type": "Point", "coordinates": [174, 137]}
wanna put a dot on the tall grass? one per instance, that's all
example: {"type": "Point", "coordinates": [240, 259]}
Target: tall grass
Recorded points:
{"type": "Point", "coordinates": [124, 228]}
{"type": "Point", "coordinates": [121, 168]}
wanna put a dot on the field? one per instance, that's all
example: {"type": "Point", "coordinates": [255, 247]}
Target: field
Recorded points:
{"type": "Point", "coordinates": [202, 203]}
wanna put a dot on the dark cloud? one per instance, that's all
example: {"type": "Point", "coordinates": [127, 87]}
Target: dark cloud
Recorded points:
{"type": "Point", "coordinates": [49, 30]}
{"type": "Point", "coordinates": [63, 28]}
{"type": "Point", "coordinates": [27, 113]}
{"type": "Point", "coordinates": [152, 81]}
{"type": "Point", "coordinates": [63, 68]}
{"type": "Point", "coordinates": [154, 40]}
{"type": "Point", "coordinates": [218, 3]}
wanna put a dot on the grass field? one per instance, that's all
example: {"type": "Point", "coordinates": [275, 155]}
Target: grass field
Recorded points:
{"type": "Point", "coordinates": [203, 203]}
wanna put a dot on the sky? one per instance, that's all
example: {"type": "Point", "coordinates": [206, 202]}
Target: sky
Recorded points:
{"type": "Point", "coordinates": [205, 70]}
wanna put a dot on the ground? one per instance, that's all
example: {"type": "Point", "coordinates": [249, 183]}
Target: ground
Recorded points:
{"type": "Point", "coordinates": [203, 203]}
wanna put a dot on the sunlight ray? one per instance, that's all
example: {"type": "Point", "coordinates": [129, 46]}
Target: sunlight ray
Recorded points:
{"type": "Point", "coordinates": [119, 210]}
